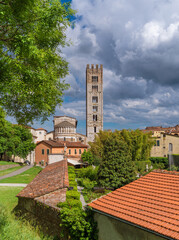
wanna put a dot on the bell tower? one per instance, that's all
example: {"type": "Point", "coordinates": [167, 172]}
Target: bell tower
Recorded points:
{"type": "Point", "coordinates": [94, 100]}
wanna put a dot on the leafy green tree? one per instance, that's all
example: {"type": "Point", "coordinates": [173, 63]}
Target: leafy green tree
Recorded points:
{"type": "Point", "coordinates": [87, 157]}
{"type": "Point", "coordinates": [22, 140]}
{"type": "Point", "coordinates": [116, 168]}
{"type": "Point", "coordinates": [97, 146]}
{"type": "Point", "coordinates": [32, 34]}
{"type": "Point", "coordinates": [139, 142]}
{"type": "Point", "coordinates": [15, 140]}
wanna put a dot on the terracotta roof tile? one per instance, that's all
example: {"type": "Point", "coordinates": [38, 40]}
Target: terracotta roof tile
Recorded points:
{"type": "Point", "coordinates": [50, 179]}
{"type": "Point", "coordinates": [54, 143]}
{"type": "Point", "coordinates": [151, 202]}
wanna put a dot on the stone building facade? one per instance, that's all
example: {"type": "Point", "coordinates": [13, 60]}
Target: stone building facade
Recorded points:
{"type": "Point", "coordinates": [167, 140]}
{"type": "Point", "coordinates": [65, 129]}
{"type": "Point", "coordinates": [94, 100]}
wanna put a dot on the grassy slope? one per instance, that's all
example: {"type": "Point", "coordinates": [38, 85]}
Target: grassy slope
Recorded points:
{"type": "Point", "coordinates": [25, 177]}
{"type": "Point", "coordinates": [10, 227]}
{"type": "Point", "coordinates": [9, 170]}
{"type": "Point", "coordinates": [7, 163]}
{"type": "Point", "coordinates": [8, 196]}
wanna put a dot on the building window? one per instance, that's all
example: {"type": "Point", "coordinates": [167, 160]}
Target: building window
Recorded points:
{"type": "Point", "coordinates": [158, 143]}
{"type": "Point", "coordinates": [94, 88]}
{"type": "Point", "coordinates": [95, 129]}
{"type": "Point", "coordinates": [95, 118]}
{"type": "Point", "coordinates": [69, 151]}
{"type": "Point", "coordinates": [71, 139]}
{"type": "Point", "coordinates": [94, 99]}
{"type": "Point", "coordinates": [39, 132]}
{"type": "Point", "coordinates": [49, 139]}
{"type": "Point", "coordinates": [64, 138]}
{"type": "Point", "coordinates": [75, 151]}
{"type": "Point", "coordinates": [43, 151]}
{"type": "Point", "coordinates": [170, 147]}
{"type": "Point", "coordinates": [94, 78]}
{"type": "Point", "coordinates": [79, 151]}
{"type": "Point", "coordinates": [95, 108]}
{"type": "Point", "coordinates": [47, 151]}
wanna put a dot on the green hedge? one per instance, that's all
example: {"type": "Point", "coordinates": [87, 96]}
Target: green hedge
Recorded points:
{"type": "Point", "coordinates": [159, 161]}
{"type": "Point", "coordinates": [89, 172]}
{"type": "Point", "coordinates": [86, 183]}
{"type": "Point", "coordinates": [141, 166]}
{"type": "Point", "coordinates": [71, 203]}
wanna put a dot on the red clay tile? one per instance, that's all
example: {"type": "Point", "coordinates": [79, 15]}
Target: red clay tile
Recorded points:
{"type": "Point", "coordinates": [51, 178]}
{"type": "Point", "coordinates": [151, 202]}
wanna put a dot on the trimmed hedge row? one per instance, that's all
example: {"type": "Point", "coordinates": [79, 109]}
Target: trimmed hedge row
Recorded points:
{"type": "Point", "coordinates": [161, 162]}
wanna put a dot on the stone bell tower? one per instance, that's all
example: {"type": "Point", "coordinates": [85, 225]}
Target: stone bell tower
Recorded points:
{"type": "Point", "coordinates": [94, 100]}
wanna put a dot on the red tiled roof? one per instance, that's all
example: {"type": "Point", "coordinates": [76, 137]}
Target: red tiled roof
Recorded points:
{"type": "Point", "coordinates": [151, 202]}
{"type": "Point", "coordinates": [54, 143]}
{"type": "Point", "coordinates": [41, 129]}
{"type": "Point", "coordinates": [50, 179]}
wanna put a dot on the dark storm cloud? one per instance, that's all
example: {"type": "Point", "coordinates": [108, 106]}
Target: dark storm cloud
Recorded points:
{"type": "Point", "coordinates": [137, 43]}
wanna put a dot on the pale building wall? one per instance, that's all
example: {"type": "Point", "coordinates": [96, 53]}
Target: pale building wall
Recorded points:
{"type": "Point", "coordinates": [41, 135]}
{"type": "Point", "coordinates": [94, 89]}
{"type": "Point", "coordinates": [112, 229]}
{"type": "Point", "coordinates": [163, 149]}
{"type": "Point", "coordinates": [55, 158]}
{"type": "Point", "coordinates": [49, 136]}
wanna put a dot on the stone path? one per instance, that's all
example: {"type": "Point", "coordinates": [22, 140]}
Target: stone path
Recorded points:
{"type": "Point", "coordinates": [16, 172]}
{"type": "Point", "coordinates": [13, 185]}
{"type": "Point", "coordinates": [81, 197]}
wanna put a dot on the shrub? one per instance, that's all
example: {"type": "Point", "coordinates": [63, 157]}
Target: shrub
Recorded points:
{"type": "Point", "coordinates": [72, 194]}
{"type": "Point", "coordinates": [79, 224]}
{"type": "Point", "coordinates": [71, 203]}
{"type": "Point", "coordinates": [141, 166]}
{"type": "Point", "coordinates": [159, 160]}
{"type": "Point", "coordinates": [86, 183]}
{"type": "Point", "coordinates": [89, 172]}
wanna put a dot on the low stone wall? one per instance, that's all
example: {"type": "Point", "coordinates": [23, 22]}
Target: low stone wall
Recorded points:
{"type": "Point", "coordinates": [4, 167]}
{"type": "Point", "coordinates": [46, 217]}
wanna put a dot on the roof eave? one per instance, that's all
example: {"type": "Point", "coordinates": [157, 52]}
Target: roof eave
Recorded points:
{"type": "Point", "coordinates": [130, 223]}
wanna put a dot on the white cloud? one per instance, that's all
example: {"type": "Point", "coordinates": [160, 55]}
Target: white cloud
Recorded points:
{"type": "Point", "coordinates": [137, 43]}
{"type": "Point", "coordinates": [154, 33]}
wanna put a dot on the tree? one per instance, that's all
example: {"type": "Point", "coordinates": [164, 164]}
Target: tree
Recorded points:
{"type": "Point", "coordinates": [87, 157]}
{"type": "Point", "coordinates": [96, 147]}
{"type": "Point", "coordinates": [139, 142]}
{"type": "Point", "coordinates": [22, 140]}
{"type": "Point", "coordinates": [116, 168]}
{"type": "Point", "coordinates": [15, 140]}
{"type": "Point", "coordinates": [32, 34]}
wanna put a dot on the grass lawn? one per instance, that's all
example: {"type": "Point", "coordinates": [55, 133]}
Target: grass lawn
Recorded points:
{"type": "Point", "coordinates": [10, 227]}
{"type": "Point", "coordinates": [7, 163]}
{"type": "Point", "coordinates": [8, 196]}
{"type": "Point", "coordinates": [9, 170]}
{"type": "Point", "coordinates": [25, 177]}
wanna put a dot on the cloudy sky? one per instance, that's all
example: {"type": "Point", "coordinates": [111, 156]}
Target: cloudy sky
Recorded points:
{"type": "Point", "coordinates": [138, 44]}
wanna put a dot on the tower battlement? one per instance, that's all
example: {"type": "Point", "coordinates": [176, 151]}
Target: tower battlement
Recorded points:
{"type": "Point", "coordinates": [93, 66]}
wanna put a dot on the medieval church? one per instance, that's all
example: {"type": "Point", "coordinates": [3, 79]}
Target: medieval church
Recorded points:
{"type": "Point", "coordinates": [65, 126]}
